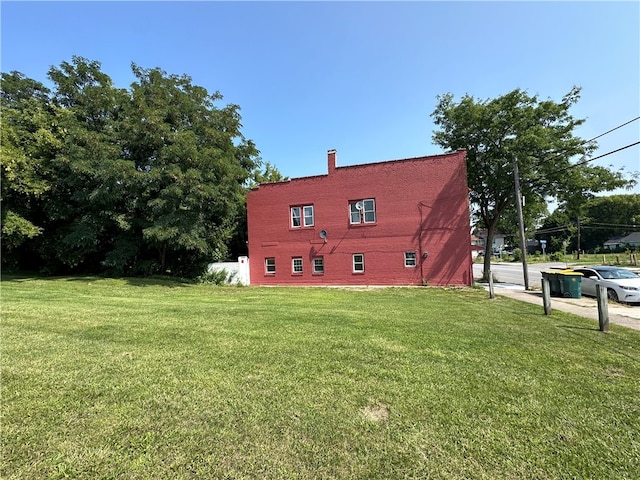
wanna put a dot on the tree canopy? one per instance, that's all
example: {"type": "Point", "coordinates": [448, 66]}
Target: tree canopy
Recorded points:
{"type": "Point", "coordinates": [95, 178]}
{"type": "Point", "coordinates": [602, 219]}
{"type": "Point", "coordinates": [537, 134]}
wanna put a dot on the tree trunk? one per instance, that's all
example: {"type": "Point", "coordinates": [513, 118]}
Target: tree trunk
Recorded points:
{"type": "Point", "coordinates": [488, 247]}
{"type": "Point", "coordinates": [162, 251]}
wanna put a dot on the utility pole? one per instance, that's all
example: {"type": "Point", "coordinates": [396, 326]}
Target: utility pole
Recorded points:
{"type": "Point", "coordinates": [523, 242]}
{"type": "Point", "coordinates": [578, 237]}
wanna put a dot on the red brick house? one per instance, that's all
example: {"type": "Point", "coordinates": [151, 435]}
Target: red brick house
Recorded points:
{"type": "Point", "coordinates": [401, 222]}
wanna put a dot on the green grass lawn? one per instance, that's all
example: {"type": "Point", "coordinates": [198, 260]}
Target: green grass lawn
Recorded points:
{"type": "Point", "coordinates": [135, 379]}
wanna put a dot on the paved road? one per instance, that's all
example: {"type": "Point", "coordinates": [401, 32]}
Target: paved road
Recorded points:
{"type": "Point", "coordinates": [512, 272]}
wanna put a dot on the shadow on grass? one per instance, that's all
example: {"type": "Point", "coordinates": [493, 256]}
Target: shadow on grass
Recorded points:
{"type": "Point", "coordinates": [575, 327]}
{"type": "Point", "coordinates": [574, 330]}
{"type": "Point", "coordinates": [159, 281]}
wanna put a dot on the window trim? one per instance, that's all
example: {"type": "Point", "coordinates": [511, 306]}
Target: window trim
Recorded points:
{"type": "Point", "coordinates": [270, 262]}
{"type": "Point", "coordinates": [295, 217]}
{"type": "Point", "coordinates": [315, 270]}
{"type": "Point", "coordinates": [407, 259]}
{"type": "Point", "coordinates": [362, 214]}
{"type": "Point", "coordinates": [301, 216]}
{"type": "Point", "coordinates": [293, 266]}
{"type": "Point", "coordinates": [354, 263]}
{"type": "Point", "coordinates": [304, 216]}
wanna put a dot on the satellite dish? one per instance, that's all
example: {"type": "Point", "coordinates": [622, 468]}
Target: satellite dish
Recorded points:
{"type": "Point", "coordinates": [323, 234]}
{"type": "Point", "coordinates": [360, 206]}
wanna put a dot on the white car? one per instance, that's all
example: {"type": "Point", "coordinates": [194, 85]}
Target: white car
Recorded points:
{"type": "Point", "coordinates": [622, 285]}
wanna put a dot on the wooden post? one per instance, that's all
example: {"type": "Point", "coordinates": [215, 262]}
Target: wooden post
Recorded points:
{"type": "Point", "coordinates": [603, 308]}
{"type": "Point", "coordinates": [546, 296]}
{"type": "Point", "coordinates": [604, 260]}
{"type": "Point", "coordinates": [492, 294]}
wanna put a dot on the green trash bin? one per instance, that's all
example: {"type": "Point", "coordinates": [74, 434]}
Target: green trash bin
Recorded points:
{"type": "Point", "coordinates": [570, 284]}
{"type": "Point", "coordinates": [554, 283]}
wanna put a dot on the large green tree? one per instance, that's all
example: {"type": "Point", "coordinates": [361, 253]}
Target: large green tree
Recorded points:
{"type": "Point", "coordinates": [29, 140]}
{"type": "Point", "coordinates": [517, 127]}
{"type": "Point", "coordinates": [130, 181]}
{"type": "Point", "coordinates": [192, 161]}
{"type": "Point", "coordinates": [89, 192]}
{"type": "Point", "coordinates": [603, 218]}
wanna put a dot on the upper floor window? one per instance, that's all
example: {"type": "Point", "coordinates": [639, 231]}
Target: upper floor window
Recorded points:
{"type": "Point", "coordinates": [302, 216]}
{"type": "Point", "coordinates": [362, 211]}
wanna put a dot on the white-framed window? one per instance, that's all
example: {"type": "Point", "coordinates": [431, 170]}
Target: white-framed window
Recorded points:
{"type": "Point", "coordinates": [362, 211]}
{"type": "Point", "coordinates": [409, 259]}
{"type": "Point", "coordinates": [318, 265]}
{"type": "Point", "coordinates": [296, 265]}
{"type": "Point", "coordinates": [358, 263]}
{"type": "Point", "coordinates": [302, 216]}
{"type": "Point", "coordinates": [296, 221]}
{"type": "Point", "coordinates": [308, 215]}
{"type": "Point", "coordinates": [270, 265]}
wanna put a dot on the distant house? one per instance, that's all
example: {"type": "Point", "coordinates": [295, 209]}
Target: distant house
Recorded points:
{"type": "Point", "coordinates": [498, 243]}
{"type": "Point", "coordinates": [632, 240]}
{"type": "Point", "coordinates": [400, 222]}
{"type": "Point", "coordinates": [612, 243]}
{"type": "Point", "coordinates": [533, 246]}
{"type": "Point", "coordinates": [476, 246]}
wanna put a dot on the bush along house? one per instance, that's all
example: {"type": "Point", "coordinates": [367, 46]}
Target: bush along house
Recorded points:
{"type": "Point", "coordinates": [400, 222]}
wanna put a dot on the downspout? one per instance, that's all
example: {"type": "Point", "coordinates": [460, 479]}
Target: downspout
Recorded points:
{"type": "Point", "coordinates": [422, 259]}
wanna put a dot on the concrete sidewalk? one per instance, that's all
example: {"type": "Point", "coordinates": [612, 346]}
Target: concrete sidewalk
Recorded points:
{"type": "Point", "coordinates": [625, 315]}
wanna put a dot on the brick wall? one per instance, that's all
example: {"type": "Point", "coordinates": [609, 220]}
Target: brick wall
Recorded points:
{"type": "Point", "coordinates": [421, 206]}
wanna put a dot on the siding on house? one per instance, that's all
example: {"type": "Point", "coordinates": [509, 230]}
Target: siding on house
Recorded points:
{"type": "Point", "coordinates": [631, 240]}
{"type": "Point", "coordinates": [421, 218]}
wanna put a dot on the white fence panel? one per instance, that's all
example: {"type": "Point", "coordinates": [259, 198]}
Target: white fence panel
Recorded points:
{"type": "Point", "coordinates": [238, 271]}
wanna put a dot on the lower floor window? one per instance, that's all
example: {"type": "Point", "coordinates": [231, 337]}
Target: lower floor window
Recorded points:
{"type": "Point", "coordinates": [296, 264]}
{"type": "Point", "coordinates": [318, 265]}
{"type": "Point", "coordinates": [358, 263]}
{"type": "Point", "coordinates": [270, 265]}
{"type": "Point", "coordinates": [409, 259]}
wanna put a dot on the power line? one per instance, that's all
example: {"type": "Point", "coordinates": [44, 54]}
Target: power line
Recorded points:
{"type": "Point", "coordinates": [585, 142]}
{"type": "Point", "coordinates": [613, 129]}
{"type": "Point", "coordinates": [592, 225]}
{"type": "Point", "coordinates": [613, 224]}
{"type": "Point", "coordinates": [557, 155]}
{"type": "Point", "coordinates": [595, 227]}
{"type": "Point", "coordinates": [583, 162]}
{"type": "Point", "coordinates": [557, 229]}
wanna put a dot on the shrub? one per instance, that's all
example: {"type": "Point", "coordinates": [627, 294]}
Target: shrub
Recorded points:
{"type": "Point", "coordinates": [556, 257]}
{"type": "Point", "coordinates": [217, 277]}
{"type": "Point", "coordinates": [517, 255]}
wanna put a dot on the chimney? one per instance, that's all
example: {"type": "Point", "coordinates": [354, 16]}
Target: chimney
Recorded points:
{"type": "Point", "coordinates": [331, 159]}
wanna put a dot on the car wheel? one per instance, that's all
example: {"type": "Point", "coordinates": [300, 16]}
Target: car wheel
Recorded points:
{"type": "Point", "coordinates": [612, 295]}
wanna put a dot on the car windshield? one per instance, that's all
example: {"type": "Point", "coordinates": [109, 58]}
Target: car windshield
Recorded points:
{"type": "Point", "coordinates": [617, 273]}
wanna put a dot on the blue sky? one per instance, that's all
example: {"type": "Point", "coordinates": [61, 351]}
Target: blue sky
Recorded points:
{"type": "Point", "coordinates": [360, 77]}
